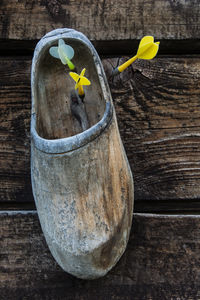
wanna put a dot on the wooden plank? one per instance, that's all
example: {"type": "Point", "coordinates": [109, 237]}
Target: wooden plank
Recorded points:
{"type": "Point", "coordinates": [15, 108]}
{"type": "Point", "coordinates": [161, 262]}
{"type": "Point", "coordinates": [101, 20]}
{"type": "Point", "coordinates": [157, 105]}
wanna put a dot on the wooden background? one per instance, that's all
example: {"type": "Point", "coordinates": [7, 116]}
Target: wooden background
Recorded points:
{"type": "Point", "coordinates": [158, 109]}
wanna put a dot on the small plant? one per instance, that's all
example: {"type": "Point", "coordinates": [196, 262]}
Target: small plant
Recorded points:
{"type": "Point", "coordinates": [80, 81]}
{"type": "Point", "coordinates": [147, 50]}
{"type": "Point", "coordinates": [63, 52]}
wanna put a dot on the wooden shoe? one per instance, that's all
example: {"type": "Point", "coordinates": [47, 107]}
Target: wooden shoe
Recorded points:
{"type": "Point", "coordinates": [81, 179]}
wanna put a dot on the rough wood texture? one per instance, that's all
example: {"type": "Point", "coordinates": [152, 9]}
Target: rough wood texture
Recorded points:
{"type": "Point", "coordinates": [157, 105]}
{"type": "Point", "coordinates": [101, 20]}
{"type": "Point", "coordinates": [81, 181]}
{"type": "Point", "coordinates": [161, 262]}
{"type": "Point", "coordinates": [52, 86]}
{"type": "Point", "coordinates": [15, 108]}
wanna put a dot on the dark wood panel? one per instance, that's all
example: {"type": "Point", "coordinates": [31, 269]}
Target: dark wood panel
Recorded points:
{"type": "Point", "coordinates": [158, 110]}
{"type": "Point", "coordinates": [157, 105]}
{"type": "Point", "coordinates": [161, 262]}
{"type": "Point", "coordinates": [101, 20]}
{"type": "Point", "coordinates": [15, 108]}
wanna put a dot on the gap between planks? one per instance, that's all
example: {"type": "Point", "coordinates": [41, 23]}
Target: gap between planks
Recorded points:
{"type": "Point", "coordinates": [107, 48]}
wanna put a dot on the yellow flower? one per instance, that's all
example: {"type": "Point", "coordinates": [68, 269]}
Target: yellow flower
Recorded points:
{"type": "Point", "coordinates": [80, 81]}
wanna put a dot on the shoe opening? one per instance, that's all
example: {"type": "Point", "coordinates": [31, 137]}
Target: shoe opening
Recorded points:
{"type": "Point", "coordinates": [52, 88]}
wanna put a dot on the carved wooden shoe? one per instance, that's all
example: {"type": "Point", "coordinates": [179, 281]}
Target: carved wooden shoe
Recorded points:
{"type": "Point", "coordinates": [81, 180]}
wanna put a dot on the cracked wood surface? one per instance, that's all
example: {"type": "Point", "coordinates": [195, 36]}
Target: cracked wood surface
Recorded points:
{"type": "Point", "coordinates": [157, 106]}
{"type": "Point", "coordinates": [161, 262]}
{"type": "Point", "coordinates": [101, 20]}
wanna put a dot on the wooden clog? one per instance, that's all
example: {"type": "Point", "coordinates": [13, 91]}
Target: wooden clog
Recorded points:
{"type": "Point", "coordinates": [81, 180]}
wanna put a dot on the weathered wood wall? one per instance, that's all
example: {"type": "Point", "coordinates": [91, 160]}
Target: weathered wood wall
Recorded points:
{"type": "Point", "coordinates": [157, 105]}
{"type": "Point", "coordinates": [161, 262]}
{"type": "Point", "coordinates": [158, 111]}
{"type": "Point", "coordinates": [101, 20]}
